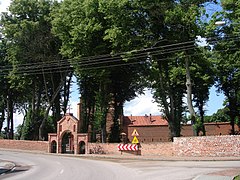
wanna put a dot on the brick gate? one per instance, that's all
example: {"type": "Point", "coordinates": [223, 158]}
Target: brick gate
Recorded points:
{"type": "Point", "coordinates": [68, 138]}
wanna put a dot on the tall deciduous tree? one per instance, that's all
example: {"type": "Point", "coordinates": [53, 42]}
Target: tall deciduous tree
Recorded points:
{"type": "Point", "coordinates": [90, 30]}
{"type": "Point", "coordinates": [37, 68]}
{"type": "Point", "coordinates": [225, 40]}
{"type": "Point", "coordinates": [3, 81]}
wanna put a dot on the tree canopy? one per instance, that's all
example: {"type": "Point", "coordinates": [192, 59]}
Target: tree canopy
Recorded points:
{"type": "Point", "coordinates": [115, 49]}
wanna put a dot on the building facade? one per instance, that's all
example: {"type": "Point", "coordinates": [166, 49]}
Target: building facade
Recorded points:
{"type": "Point", "coordinates": [155, 128]}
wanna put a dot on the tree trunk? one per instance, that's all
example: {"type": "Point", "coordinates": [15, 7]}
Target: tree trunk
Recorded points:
{"type": "Point", "coordinates": [42, 126]}
{"type": "Point", "coordinates": [110, 118]}
{"type": "Point", "coordinates": [50, 103]}
{"type": "Point", "coordinates": [9, 117]}
{"type": "Point", "coordinates": [232, 124]}
{"type": "Point", "coordinates": [66, 92]}
{"type": "Point", "coordinates": [202, 118]}
{"type": "Point", "coordinates": [2, 118]}
{"type": "Point", "coordinates": [189, 95]}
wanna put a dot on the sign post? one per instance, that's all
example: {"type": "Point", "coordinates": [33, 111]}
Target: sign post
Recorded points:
{"type": "Point", "coordinates": [131, 148]}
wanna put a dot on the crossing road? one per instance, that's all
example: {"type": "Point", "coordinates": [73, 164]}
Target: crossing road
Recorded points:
{"type": "Point", "coordinates": [50, 167]}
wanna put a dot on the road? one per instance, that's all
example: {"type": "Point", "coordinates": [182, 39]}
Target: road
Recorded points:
{"type": "Point", "coordinates": [50, 167]}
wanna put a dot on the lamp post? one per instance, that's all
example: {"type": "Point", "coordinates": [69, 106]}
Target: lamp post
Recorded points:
{"type": "Point", "coordinates": [220, 23]}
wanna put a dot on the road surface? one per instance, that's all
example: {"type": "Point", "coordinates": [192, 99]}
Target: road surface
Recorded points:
{"type": "Point", "coordinates": [51, 167]}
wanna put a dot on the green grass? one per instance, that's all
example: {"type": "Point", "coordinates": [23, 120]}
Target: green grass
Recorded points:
{"type": "Point", "coordinates": [237, 177]}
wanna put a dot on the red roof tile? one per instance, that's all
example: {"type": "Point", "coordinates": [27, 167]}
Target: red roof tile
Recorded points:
{"type": "Point", "coordinates": [144, 121]}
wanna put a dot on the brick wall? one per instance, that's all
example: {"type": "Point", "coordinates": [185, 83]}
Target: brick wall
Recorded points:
{"type": "Point", "coordinates": [147, 149]}
{"type": "Point", "coordinates": [159, 149]}
{"type": "Point", "coordinates": [102, 148]}
{"type": "Point", "coordinates": [210, 146]}
{"type": "Point", "coordinates": [41, 146]}
{"type": "Point", "coordinates": [219, 128]}
{"type": "Point", "coordinates": [150, 134]}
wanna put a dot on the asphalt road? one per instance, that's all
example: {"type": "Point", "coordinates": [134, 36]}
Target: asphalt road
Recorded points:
{"type": "Point", "coordinates": [50, 167]}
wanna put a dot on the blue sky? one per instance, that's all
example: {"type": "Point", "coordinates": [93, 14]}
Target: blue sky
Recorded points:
{"type": "Point", "coordinates": [144, 104]}
{"type": "Point", "coordinates": [141, 105]}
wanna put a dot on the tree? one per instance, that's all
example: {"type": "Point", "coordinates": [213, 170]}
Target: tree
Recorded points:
{"type": "Point", "coordinates": [226, 55]}
{"type": "Point", "coordinates": [3, 81]}
{"type": "Point", "coordinates": [177, 34]}
{"type": "Point", "coordinates": [219, 116]}
{"type": "Point", "coordinates": [203, 79]}
{"type": "Point", "coordinates": [96, 33]}
{"type": "Point", "coordinates": [37, 68]}
{"type": "Point", "coordinates": [93, 24]}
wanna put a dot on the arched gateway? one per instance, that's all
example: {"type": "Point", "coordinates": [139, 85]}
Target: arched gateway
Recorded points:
{"type": "Point", "coordinates": [68, 138]}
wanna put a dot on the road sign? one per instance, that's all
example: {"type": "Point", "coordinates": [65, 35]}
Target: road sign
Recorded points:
{"type": "Point", "coordinates": [135, 140]}
{"type": "Point", "coordinates": [135, 133]}
{"type": "Point", "coordinates": [127, 147]}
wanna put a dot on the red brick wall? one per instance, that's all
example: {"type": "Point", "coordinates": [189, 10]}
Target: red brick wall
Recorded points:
{"type": "Point", "coordinates": [187, 130]}
{"type": "Point", "coordinates": [210, 146]}
{"type": "Point", "coordinates": [159, 149]}
{"type": "Point", "coordinates": [41, 146]}
{"type": "Point", "coordinates": [219, 128]}
{"type": "Point", "coordinates": [147, 149]}
{"type": "Point", "coordinates": [102, 148]}
{"type": "Point", "coordinates": [149, 134]}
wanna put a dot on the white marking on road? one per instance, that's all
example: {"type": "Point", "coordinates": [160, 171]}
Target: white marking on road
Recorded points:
{"type": "Point", "coordinates": [61, 171]}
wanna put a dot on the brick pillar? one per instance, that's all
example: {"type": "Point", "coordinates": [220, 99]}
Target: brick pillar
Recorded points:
{"type": "Point", "coordinates": [110, 120]}
{"type": "Point", "coordinates": [79, 109]}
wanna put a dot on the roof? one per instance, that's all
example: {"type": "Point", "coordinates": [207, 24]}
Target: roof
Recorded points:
{"type": "Point", "coordinates": [217, 123]}
{"type": "Point", "coordinates": [147, 120]}
{"type": "Point", "coordinates": [68, 115]}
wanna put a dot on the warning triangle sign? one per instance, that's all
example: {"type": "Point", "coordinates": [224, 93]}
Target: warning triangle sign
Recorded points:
{"type": "Point", "coordinates": [135, 133]}
{"type": "Point", "coordinates": [135, 140]}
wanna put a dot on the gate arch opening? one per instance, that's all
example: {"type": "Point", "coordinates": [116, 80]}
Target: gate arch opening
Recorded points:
{"type": "Point", "coordinates": [53, 146]}
{"type": "Point", "coordinates": [67, 143]}
{"type": "Point", "coordinates": [82, 147]}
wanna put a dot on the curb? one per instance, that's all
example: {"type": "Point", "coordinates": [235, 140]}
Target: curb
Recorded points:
{"type": "Point", "coordinates": [130, 157]}
{"type": "Point", "coordinates": [6, 166]}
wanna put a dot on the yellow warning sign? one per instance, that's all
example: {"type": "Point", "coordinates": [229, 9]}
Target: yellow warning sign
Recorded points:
{"type": "Point", "coordinates": [135, 140]}
{"type": "Point", "coordinates": [135, 133]}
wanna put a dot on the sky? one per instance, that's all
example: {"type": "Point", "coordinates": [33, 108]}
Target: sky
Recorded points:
{"type": "Point", "coordinates": [141, 105]}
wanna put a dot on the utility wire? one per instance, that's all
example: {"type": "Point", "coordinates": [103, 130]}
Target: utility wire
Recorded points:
{"type": "Point", "coordinates": [108, 58]}
{"type": "Point", "coordinates": [110, 66]}
{"type": "Point", "coordinates": [62, 67]}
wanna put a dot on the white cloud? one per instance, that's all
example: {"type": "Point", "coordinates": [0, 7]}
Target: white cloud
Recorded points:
{"type": "Point", "coordinates": [4, 5]}
{"type": "Point", "coordinates": [201, 41]}
{"type": "Point", "coordinates": [18, 119]}
{"type": "Point", "coordinates": [143, 104]}
{"type": "Point", "coordinates": [73, 108]}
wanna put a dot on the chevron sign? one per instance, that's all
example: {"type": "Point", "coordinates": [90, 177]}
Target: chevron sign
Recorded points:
{"type": "Point", "coordinates": [127, 147]}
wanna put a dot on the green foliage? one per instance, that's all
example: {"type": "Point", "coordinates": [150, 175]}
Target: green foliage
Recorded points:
{"type": "Point", "coordinates": [90, 30]}
{"type": "Point", "coordinates": [29, 130]}
{"type": "Point", "coordinates": [219, 116]}
{"type": "Point", "coordinates": [226, 55]}
{"type": "Point", "coordinates": [30, 126]}
{"type": "Point", "coordinates": [198, 126]}
{"type": "Point", "coordinates": [36, 74]}
{"type": "Point", "coordinates": [117, 48]}
{"type": "Point", "coordinates": [17, 134]}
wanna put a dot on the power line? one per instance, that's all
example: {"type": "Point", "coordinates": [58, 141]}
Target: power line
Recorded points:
{"type": "Point", "coordinates": [49, 68]}
{"type": "Point", "coordinates": [107, 66]}
{"type": "Point", "coordinates": [107, 57]}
